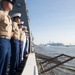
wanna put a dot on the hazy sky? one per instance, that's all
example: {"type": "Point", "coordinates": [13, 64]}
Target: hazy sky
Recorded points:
{"type": "Point", "coordinates": [52, 20]}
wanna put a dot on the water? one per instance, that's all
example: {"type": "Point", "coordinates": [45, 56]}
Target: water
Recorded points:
{"type": "Point", "coordinates": [57, 50]}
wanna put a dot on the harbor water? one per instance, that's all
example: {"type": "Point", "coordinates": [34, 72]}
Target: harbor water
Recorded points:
{"type": "Point", "coordinates": [53, 51]}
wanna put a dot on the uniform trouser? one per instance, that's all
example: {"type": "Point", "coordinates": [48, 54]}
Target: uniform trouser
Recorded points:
{"type": "Point", "coordinates": [23, 50]}
{"type": "Point", "coordinates": [4, 55]}
{"type": "Point", "coordinates": [14, 56]}
{"type": "Point", "coordinates": [20, 51]}
{"type": "Point", "coordinates": [26, 47]}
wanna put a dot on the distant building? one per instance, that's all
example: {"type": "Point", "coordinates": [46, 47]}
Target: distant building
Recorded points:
{"type": "Point", "coordinates": [55, 44]}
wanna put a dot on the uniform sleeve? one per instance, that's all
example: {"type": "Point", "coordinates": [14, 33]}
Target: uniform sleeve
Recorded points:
{"type": "Point", "coordinates": [20, 34]}
{"type": "Point", "coordinates": [1, 16]}
{"type": "Point", "coordinates": [13, 27]}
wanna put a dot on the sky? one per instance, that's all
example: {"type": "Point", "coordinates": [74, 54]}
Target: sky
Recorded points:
{"type": "Point", "coordinates": [52, 20]}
